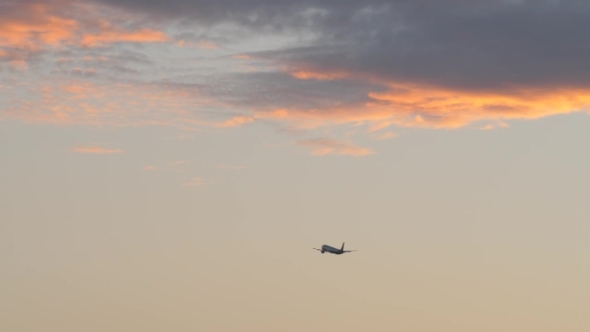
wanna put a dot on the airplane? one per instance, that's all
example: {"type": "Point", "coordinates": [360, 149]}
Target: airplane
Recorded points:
{"type": "Point", "coordinates": [333, 250]}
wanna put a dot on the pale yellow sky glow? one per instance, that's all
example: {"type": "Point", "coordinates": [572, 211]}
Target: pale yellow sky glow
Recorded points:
{"type": "Point", "coordinates": [169, 166]}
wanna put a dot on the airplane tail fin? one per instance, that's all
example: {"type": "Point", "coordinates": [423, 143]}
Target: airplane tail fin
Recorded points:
{"type": "Point", "coordinates": [342, 249]}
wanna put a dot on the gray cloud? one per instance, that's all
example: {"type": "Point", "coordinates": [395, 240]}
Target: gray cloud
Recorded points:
{"type": "Point", "coordinates": [270, 90]}
{"type": "Point", "coordinates": [487, 45]}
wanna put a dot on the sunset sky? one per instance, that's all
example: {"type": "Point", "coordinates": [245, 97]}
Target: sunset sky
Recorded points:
{"type": "Point", "coordinates": [169, 165]}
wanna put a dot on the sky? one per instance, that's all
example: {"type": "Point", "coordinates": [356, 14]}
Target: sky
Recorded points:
{"type": "Point", "coordinates": [169, 165]}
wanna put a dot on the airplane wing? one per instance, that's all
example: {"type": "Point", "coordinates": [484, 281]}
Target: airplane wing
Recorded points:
{"type": "Point", "coordinates": [317, 249]}
{"type": "Point", "coordinates": [349, 250]}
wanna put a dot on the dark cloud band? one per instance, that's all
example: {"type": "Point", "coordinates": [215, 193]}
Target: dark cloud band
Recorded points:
{"type": "Point", "coordinates": [486, 45]}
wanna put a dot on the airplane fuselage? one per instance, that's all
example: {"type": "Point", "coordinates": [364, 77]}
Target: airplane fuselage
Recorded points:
{"type": "Point", "coordinates": [332, 250]}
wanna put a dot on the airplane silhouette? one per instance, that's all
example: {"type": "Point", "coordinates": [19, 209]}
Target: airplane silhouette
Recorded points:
{"type": "Point", "coordinates": [332, 250]}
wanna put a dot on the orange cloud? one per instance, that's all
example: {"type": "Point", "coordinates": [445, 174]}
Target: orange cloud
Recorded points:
{"type": "Point", "coordinates": [117, 36]}
{"type": "Point", "coordinates": [418, 105]}
{"type": "Point", "coordinates": [35, 29]}
{"type": "Point", "coordinates": [306, 75]}
{"type": "Point", "coordinates": [97, 150]}
{"type": "Point", "coordinates": [35, 26]}
{"type": "Point", "coordinates": [236, 121]}
{"type": "Point", "coordinates": [148, 168]}
{"type": "Point", "coordinates": [444, 108]}
{"type": "Point", "coordinates": [322, 147]}
{"type": "Point", "coordinates": [75, 102]}
{"type": "Point", "coordinates": [196, 182]}
{"type": "Point", "coordinates": [406, 105]}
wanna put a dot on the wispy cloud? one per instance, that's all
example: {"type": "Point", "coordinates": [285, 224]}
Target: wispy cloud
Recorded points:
{"type": "Point", "coordinates": [241, 56]}
{"type": "Point", "coordinates": [494, 126]}
{"type": "Point", "coordinates": [117, 36]}
{"type": "Point", "coordinates": [195, 182]}
{"type": "Point", "coordinates": [205, 44]}
{"type": "Point", "coordinates": [96, 150]}
{"type": "Point", "coordinates": [322, 147]}
{"type": "Point", "coordinates": [148, 168]}
{"type": "Point", "coordinates": [236, 121]}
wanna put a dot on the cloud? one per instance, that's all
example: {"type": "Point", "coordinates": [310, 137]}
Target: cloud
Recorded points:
{"type": "Point", "coordinates": [372, 65]}
{"type": "Point", "coordinates": [461, 62]}
{"type": "Point", "coordinates": [494, 126]}
{"type": "Point", "coordinates": [195, 182]}
{"type": "Point", "coordinates": [28, 29]}
{"type": "Point", "coordinates": [82, 102]}
{"type": "Point", "coordinates": [29, 25]}
{"type": "Point", "coordinates": [148, 168]}
{"type": "Point", "coordinates": [96, 150]}
{"type": "Point", "coordinates": [322, 147]}
{"type": "Point", "coordinates": [423, 106]}
{"type": "Point", "coordinates": [113, 35]}
{"type": "Point", "coordinates": [241, 56]}
{"type": "Point", "coordinates": [205, 44]}
{"type": "Point", "coordinates": [236, 121]}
